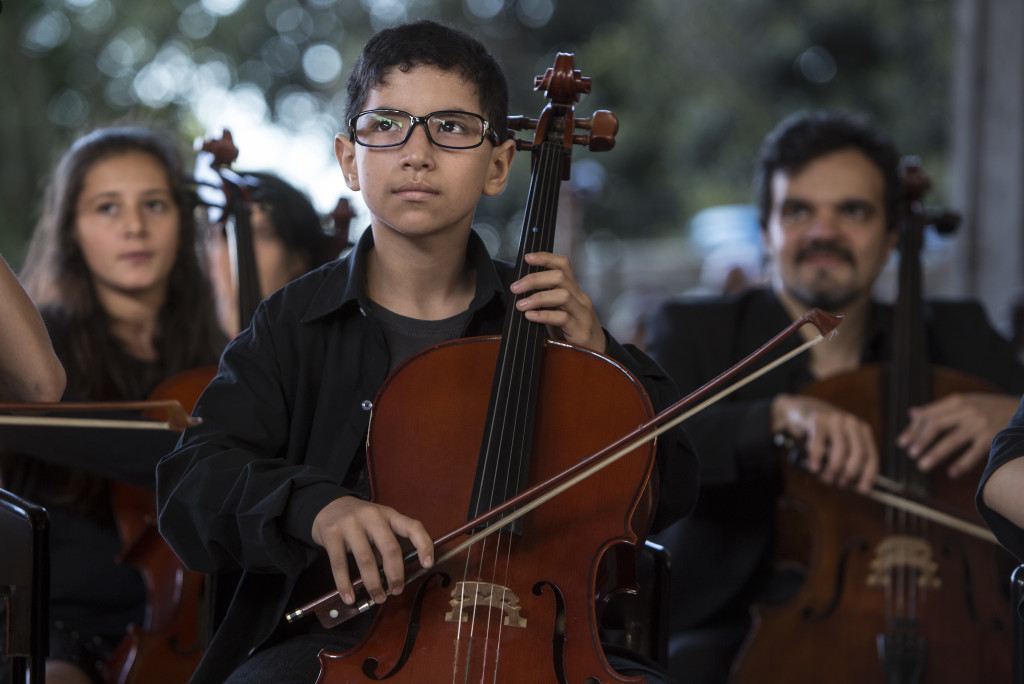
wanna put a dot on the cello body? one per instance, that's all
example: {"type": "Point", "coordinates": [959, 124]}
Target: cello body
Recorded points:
{"type": "Point", "coordinates": [865, 572]}
{"type": "Point", "coordinates": [167, 647]}
{"type": "Point", "coordinates": [524, 608]}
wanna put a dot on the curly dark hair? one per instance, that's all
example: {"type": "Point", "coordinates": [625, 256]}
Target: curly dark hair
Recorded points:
{"type": "Point", "coordinates": [428, 43]}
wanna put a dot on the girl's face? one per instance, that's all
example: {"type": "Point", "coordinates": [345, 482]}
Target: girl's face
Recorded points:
{"type": "Point", "coordinates": [127, 226]}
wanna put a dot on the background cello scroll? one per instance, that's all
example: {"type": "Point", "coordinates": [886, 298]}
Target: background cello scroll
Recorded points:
{"type": "Point", "coordinates": [225, 191]}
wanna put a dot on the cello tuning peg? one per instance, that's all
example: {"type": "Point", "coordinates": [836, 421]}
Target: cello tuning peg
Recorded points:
{"type": "Point", "coordinates": [603, 126]}
{"type": "Point", "coordinates": [520, 123]}
{"type": "Point", "coordinates": [523, 145]}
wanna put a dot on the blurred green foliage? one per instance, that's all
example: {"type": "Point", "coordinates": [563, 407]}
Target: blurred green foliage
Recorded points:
{"type": "Point", "coordinates": [695, 83]}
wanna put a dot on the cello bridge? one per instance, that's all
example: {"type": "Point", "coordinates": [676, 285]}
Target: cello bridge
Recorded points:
{"type": "Point", "coordinates": [468, 596]}
{"type": "Point", "coordinates": [900, 552]}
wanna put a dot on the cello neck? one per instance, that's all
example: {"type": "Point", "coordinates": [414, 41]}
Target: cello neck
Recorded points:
{"type": "Point", "coordinates": [910, 371]}
{"type": "Point", "coordinates": [508, 430]}
{"type": "Point", "coordinates": [243, 255]}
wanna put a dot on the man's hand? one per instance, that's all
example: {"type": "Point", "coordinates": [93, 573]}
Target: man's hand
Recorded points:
{"type": "Point", "coordinates": [960, 425]}
{"type": "Point", "coordinates": [370, 533]}
{"type": "Point", "coordinates": [840, 446]}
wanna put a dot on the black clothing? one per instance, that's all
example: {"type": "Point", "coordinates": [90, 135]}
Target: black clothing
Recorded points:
{"type": "Point", "coordinates": [724, 548]}
{"type": "Point", "coordinates": [284, 426]}
{"type": "Point", "coordinates": [1006, 446]}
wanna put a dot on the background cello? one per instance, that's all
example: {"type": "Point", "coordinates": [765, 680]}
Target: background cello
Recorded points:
{"type": "Point", "coordinates": [905, 585]}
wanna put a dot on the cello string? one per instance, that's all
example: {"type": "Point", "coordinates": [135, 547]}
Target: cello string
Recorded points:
{"type": "Point", "coordinates": [497, 436]}
{"type": "Point", "coordinates": [509, 413]}
{"type": "Point", "coordinates": [910, 374]}
{"type": "Point", "coordinates": [539, 237]}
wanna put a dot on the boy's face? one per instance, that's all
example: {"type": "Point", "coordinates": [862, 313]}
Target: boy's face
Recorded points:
{"type": "Point", "coordinates": [418, 189]}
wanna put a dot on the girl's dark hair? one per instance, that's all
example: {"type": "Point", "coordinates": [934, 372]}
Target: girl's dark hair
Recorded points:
{"type": "Point", "coordinates": [57, 277]}
{"type": "Point", "coordinates": [297, 222]}
{"type": "Point", "coordinates": [427, 43]}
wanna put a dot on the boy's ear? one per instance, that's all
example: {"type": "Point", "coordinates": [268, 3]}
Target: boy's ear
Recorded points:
{"type": "Point", "coordinates": [501, 165]}
{"type": "Point", "coordinates": [345, 151]}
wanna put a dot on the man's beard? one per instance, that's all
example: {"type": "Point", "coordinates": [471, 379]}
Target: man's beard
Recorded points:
{"type": "Point", "coordinates": [822, 291]}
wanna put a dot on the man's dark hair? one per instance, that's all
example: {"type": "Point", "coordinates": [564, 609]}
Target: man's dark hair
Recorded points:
{"type": "Point", "coordinates": [806, 136]}
{"type": "Point", "coordinates": [427, 43]}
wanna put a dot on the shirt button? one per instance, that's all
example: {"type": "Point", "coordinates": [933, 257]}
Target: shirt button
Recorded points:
{"type": "Point", "coordinates": [367, 404]}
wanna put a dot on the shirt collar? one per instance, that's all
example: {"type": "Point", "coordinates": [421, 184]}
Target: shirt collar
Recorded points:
{"type": "Point", "coordinates": [345, 282]}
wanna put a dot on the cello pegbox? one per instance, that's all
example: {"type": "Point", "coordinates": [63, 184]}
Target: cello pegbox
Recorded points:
{"type": "Point", "coordinates": [562, 83]}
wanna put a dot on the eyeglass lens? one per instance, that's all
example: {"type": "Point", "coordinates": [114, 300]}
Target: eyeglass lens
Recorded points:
{"type": "Point", "coordinates": [448, 129]}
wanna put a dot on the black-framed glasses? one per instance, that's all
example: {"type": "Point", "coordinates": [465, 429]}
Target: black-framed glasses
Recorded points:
{"type": "Point", "coordinates": [392, 127]}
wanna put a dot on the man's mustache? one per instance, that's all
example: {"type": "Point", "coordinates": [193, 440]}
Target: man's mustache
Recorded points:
{"type": "Point", "coordinates": [825, 249]}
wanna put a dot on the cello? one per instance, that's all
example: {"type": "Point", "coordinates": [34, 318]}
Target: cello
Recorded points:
{"type": "Point", "coordinates": [527, 592]}
{"type": "Point", "coordinates": [903, 585]}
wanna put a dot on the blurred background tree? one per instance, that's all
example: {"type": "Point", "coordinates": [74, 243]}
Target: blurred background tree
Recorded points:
{"type": "Point", "coordinates": [695, 84]}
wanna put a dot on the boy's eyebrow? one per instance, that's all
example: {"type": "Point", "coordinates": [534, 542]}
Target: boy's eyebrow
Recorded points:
{"type": "Point", "coordinates": [454, 108]}
{"type": "Point", "coordinates": [845, 203]}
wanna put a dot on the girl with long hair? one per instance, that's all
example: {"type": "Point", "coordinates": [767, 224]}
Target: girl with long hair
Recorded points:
{"type": "Point", "coordinates": [114, 270]}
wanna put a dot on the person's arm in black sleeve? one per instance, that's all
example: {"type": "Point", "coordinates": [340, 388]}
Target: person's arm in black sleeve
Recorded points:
{"type": "Point", "coordinates": [999, 499]}
{"type": "Point", "coordinates": [232, 494]}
